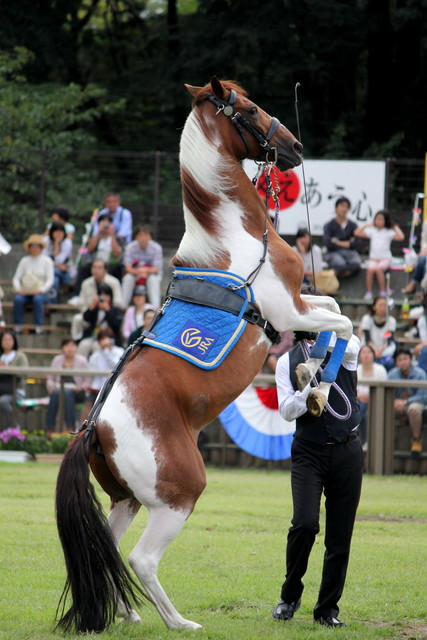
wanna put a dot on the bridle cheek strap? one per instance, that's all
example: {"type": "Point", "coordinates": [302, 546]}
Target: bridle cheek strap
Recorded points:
{"type": "Point", "coordinates": [241, 123]}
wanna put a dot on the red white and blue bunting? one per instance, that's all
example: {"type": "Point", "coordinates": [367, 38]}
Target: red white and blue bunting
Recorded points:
{"type": "Point", "coordinates": [253, 422]}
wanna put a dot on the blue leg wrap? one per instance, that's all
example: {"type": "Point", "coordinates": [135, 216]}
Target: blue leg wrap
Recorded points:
{"type": "Point", "coordinates": [330, 371]}
{"type": "Point", "coordinates": [321, 347]}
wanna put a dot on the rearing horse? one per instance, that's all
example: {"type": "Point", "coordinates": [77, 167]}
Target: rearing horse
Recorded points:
{"type": "Point", "coordinates": [142, 447]}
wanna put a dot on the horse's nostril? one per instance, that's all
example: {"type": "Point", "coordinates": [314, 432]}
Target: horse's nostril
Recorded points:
{"type": "Point", "coordinates": [298, 147]}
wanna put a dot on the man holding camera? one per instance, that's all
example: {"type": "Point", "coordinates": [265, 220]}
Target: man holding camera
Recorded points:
{"type": "Point", "coordinates": [105, 245]}
{"type": "Point", "coordinates": [121, 218]}
{"type": "Point", "coordinates": [100, 314]}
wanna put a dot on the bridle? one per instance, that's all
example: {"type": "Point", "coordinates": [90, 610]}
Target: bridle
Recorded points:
{"type": "Point", "coordinates": [227, 108]}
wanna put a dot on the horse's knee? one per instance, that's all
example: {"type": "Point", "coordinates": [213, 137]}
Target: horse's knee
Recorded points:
{"type": "Point", "coordinates": [144, 565]}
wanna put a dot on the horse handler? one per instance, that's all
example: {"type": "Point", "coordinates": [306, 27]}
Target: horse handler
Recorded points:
{"type": "Point", "coordinates": [326, 457]}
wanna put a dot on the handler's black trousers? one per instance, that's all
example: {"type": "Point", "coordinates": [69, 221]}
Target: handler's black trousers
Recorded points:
{"type": "Point", "coordinates": [337, 470]}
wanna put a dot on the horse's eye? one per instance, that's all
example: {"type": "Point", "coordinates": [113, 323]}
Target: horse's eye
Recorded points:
{"type": "Point", "coordinates": [253, 111]}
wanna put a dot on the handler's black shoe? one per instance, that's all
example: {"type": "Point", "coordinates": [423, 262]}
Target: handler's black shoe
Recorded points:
{"type": "Point", "coordinates": [286, 610]}
{"type": "Point", "coordinates": [330, 621]}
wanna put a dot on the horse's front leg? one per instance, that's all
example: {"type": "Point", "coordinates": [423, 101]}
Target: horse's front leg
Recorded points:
{"type": "Point", "coordinates": [318, 396]}
{"type": "Point", "coordinates": [325, 321]}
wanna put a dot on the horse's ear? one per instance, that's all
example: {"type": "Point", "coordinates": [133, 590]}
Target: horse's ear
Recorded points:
{"type": "Point", "coordinates": [192, 90]}
{"type": "Point", "coordinates": [217, 87]}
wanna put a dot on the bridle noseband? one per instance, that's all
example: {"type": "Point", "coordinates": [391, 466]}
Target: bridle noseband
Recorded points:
{"type": "Point", "coordinates": [241, 123]}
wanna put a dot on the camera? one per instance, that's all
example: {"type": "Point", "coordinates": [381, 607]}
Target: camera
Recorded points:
{"type": "Point", "coordinates": [106, 224]}
{"type": "Point", "coordinates": [101, 299]}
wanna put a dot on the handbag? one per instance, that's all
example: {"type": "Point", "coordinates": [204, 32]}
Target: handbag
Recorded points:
{"type": "Point", "coordinates": [327, 281]}
{"type": "Point", "coordinates": [31, 282]}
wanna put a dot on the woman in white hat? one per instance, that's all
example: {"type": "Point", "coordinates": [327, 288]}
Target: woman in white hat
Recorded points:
{"type": "Point", "coordinates": [32, 281]}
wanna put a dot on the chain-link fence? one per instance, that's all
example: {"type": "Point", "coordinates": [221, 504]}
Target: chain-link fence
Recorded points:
{"type": "Point", "coordinates": [34, 182]}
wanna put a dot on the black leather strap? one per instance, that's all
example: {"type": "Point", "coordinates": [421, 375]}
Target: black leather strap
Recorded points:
{"type": "Point", "coordinates": [209, 294]}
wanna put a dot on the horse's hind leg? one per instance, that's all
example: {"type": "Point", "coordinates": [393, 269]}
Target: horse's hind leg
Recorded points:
{"type": "Point", "coordinates": [119, 519]}
{"type": "Point", "coordinates": [163, 526]}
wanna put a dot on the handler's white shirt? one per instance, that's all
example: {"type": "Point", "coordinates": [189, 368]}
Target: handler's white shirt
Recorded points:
{"type": "Point", "coordinates": [292, 404]}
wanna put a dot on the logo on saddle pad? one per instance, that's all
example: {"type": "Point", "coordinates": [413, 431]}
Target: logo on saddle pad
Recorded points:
{"type": "Point", "coordinates": [195, 339]}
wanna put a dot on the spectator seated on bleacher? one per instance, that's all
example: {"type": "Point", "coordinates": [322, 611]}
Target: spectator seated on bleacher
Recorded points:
{"type": "Point", "coordinates": [89, 291]}
{"type": "Point", "coordinates": [33, 280]}
{"type": "Point", "coordinates": [369, 370]}
{"type": "Point", "coordinates": [377, 329]}
{"type": "Point", "coordinates": [143, 263]}
{"type": "Point", "coordinates": [419, 271]}
{"type": "Point", "coordinates": [101, 313]}
{"type": "Point", "coordinates": [10, 356]}
{"type": "Point", "coordinates": [60, 249]}
{"type": "Point", "coordinates": [134, 315]}
{"type": "Point", "coordinates": [61, 215]}
{"type": "Point", "coordinates": [147, 320]}
{"type": "Point", "coordinates": [409, 401]}
{"type": "Point", "coordinates": [74, 385]}
{"type": "Point", "coordinates": [105, 245]}
{"type": "Point", "coordinates": [2, 320]}
{"type": "Point", "coordinates": [104, 359]}
{"type": "Point", "coordinates": [311, 254]}
{"type": "Point", "coordinates": [381, 232]}
{"type": "Point", "coordinates": [121, 217]}
{"type": "Point", "coordinates": [341, 244]}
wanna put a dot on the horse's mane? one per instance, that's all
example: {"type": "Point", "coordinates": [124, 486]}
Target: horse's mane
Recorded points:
{"type": "Point", "coordinates": [206, 91]}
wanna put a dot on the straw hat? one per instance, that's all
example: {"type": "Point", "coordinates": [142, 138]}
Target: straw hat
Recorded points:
{"type": "Point", "coordinates": [33, 239]}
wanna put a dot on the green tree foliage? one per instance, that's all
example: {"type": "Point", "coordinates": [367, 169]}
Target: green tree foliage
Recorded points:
{"type": "Point", "coordinates": [41, 128]}
{"type": "Point", "coordinates": [362, 65]}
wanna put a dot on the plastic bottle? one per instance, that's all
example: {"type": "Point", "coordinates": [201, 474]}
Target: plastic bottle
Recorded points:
{"type": "Point", "coordinates": [405, 309]}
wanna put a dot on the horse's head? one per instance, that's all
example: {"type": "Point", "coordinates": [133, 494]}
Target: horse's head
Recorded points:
{"type": "Point", "coordinates": [249, 132]}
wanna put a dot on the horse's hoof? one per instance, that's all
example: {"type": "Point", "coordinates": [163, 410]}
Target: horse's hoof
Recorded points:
{"type": "Point", "coordinates": [303, 376]}
{"type": "Point", "coordinates": [131, 618]}
{"type": "Point", "coordinates": [187, 624]}
{"type": "Point", "coordinates": [316, 401]}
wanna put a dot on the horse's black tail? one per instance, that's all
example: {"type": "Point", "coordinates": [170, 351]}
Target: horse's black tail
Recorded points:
{"type": "Point", "coordinates": [97, 576]}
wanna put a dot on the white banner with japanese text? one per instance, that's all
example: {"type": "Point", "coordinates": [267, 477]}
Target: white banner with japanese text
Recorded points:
{"type": "Point", "coordinates": [361, 181]}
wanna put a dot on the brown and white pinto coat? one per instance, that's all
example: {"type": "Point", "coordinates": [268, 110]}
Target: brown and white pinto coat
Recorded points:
{"type": "Point", "coordinates": [144, 450]}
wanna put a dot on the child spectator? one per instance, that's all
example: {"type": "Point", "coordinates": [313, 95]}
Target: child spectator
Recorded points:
{"type": "Point", "coordinates": [74, 385]}
{"type": "Point", "coordinates": [377, 330]}
{"type": "Point", "coordinates": [10, 356]}
{"type": "Point", "coordinates": [381, 233]}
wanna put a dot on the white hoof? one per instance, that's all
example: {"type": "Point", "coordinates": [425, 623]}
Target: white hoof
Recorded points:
{"type": "Point", "coordinates": [316, 401]}
{"type": "Point", "coordinates": [186, 624]}
{"type": "Point", "coordinates": [303, 376]}
{"type": "Point", "coordinates": [131, 618]}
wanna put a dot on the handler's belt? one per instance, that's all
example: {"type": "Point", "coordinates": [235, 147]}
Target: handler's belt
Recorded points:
{"type": "Point", "coordinates": [209, 294]}
{"type": "Point", "coordinates": [351, 436]}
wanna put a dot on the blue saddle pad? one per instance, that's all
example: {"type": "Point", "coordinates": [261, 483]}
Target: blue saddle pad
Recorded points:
{"type": "Point", "coordinates": [202, 335]}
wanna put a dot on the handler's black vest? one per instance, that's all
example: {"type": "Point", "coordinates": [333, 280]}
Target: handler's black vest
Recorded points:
{"type": "Point", "coordinates": [318, 430]}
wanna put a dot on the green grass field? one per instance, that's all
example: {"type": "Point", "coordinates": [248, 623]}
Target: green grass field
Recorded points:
{"type": "Point", "coordinates": [226, 568]}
